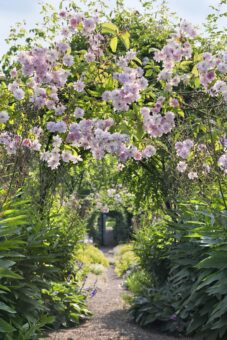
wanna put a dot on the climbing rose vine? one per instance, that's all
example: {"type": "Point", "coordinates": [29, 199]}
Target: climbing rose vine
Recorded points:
{"type": "Point", "coordinates": [77, 94]}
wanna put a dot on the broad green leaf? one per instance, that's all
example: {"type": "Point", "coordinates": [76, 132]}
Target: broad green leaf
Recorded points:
{"type": "Point", "coordinates": [46, 319]}
{"type": "Point", "coordinates": [108, 27]}
{"type": "Point", "coordinates": [113, 44]}
{"type": "Point", "coordinates": [198, 57]}
{"type": "Point", "coordinates": [195, 71]}
{"type": "Point", "coordinates": [6, 263]}
{"type": "Point", "coordinates": [5, 327]}
{"type": "Point", "coordinates": [7, 308]}
{"type": "Point", "coordinates": [197, 82]}
{"type": "Point", "coordinates": [124, 36]}
{"type": "Point", "coordinates": [10, 274]}
{"type": "Point", "coordinates": [149, 73]}
{"type": "Point", "coordinates": [217, 260]}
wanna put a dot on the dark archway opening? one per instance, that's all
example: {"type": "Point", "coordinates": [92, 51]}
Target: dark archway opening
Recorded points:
{"type": "Point", "coordinates": [110, 229]}
{"type": "Point", "coordinates": [114, 227]}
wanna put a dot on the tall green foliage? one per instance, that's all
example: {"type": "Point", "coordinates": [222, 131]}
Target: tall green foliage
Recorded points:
{"type": "Point", "coordinates": [34, 258]}
{"type": "Point", "coordinates": [191, 297]}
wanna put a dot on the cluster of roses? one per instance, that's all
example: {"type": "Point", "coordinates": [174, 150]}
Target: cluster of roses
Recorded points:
{"type": "Point", "coordinates": [175, 51]}
{"type": "Point", "coordinates": [13, 142]}
{"type": "Point", "coordinates": [46, 71]}
{"type": "Point", "coordinates": [43, 78]}
{"type": "Point", "coordinates": [95, 50]}
{"type": "Point", "coordinates": [54, 156]}
{"type": "Point", "coordinates": [43, 66]}
{"type": "Point", "coordinates": [132, 81]}
{"type": "Point", "coordinates": [155, 124]}
{"type": "Point", "coordinates": [208, 69]}
{"type": "Point", "coordinates": [77, 21]}
{"type": "Point", "coordinates": [93, 135]}
{"type": "Point", "coordinates": [87, 26]}
{"type": "Point", "coordinates": [183, 150]}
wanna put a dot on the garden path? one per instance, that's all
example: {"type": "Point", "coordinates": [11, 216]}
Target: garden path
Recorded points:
{"type": "Point", "coordinates": [110, 320]}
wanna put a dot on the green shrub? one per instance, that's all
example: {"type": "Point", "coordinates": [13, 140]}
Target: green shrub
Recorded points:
{"type": "Point", "coordinates": [125, 259]}
{"type": "Point", "coordinates": [151, 245]}
{"type": "Point", "coordinates": [33, 256]}
{"type": "Point", "coordinates": [123, 248]}
{"type": "Point", "coordinates": [137, 281]}
{"type": "Point", "coordinates": [192, 298]}
{"type": "Point", "coordinates": [66, 304]}
{"type": "Point", "coordinates": [96, 268]}
{"type": "Point", "coordinates": [89, 259]}
{"type": "Point", "coordinates": [89, 254]}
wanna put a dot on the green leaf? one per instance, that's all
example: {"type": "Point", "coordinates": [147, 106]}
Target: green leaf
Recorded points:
{"type": "Point", "coordinates": [74, 317]}
{"type": "Point", "coordinates": [124, 36]}
{"type": "Point", "coordinates": [8, 273]}
{"type": "Point", "coordinates": [180, 113]}
{"type": "Point", "coordinates": [149, 73]}
{"type": "Point", "coordinates": [113, 44]}
{"type": "Point", "coordinates": [6, 263]}
{"type": "Point", "coordinates": [195, 71]}
{"type": "Point", "coordinates": [217, 260]}
{"type": "Point", "coordinates": [108, 27]}
{"type": "Point", "coordinates": [6, 308]}
{"type": "Point", "coordinates": [4, 288]}
{"type": "Point", "coordinates": [5, 327]}
{"type": "Point", "coordinates": [15, 219]}
{"type": "Point", "coordinates": [137, 60]}
{"type": "Point", "coordinates": [198, 57]}
{"type": "Point", "coordinates": [11, 244]}
{"type": "Point", "coordinates": [197, 83]}
{"type": "Point", "coordinates": [46, 319]}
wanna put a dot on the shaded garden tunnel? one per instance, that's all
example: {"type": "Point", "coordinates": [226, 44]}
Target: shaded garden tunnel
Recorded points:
{"type": "Point", "coordinates": [110, 229]}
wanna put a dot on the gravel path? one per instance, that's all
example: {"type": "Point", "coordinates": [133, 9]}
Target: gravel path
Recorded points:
{"type": "Point", "coordinates": [110, 321]}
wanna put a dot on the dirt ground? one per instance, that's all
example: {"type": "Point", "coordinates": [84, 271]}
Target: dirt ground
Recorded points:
{"type": "Point", "coordinates": [110, 320]}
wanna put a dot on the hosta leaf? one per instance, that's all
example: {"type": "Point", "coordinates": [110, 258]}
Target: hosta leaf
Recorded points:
{"type": "Point", "coordinates": [46, 319]}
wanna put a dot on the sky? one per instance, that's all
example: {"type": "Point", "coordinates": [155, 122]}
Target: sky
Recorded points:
{"type": "Point", "coordinates": [12, 11]}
